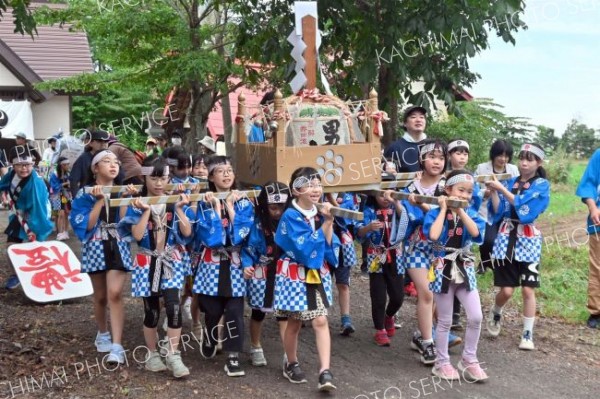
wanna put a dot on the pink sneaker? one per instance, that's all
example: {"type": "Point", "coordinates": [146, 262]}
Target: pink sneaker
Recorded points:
{"type": "Point", "coordinates": [446, 372]}
{"type": "Point", "coordinates": [389, 325]}
{"type": "Point", "coordinates": [381, 338]}
{"type": "Point", "coordinates": [472, 371]}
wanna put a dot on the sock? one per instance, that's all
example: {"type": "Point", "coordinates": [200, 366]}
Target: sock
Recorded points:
{"type": "Point", "coordinates": [497, 309]}
{"type": "Point", "coordinates": [346, 318]}
{"type": "Point", "coordinates": [528, 325]}
{"type": "Point", "coordinates": [233, 354]}
{"type": "Point", "coordinates": [427, 341]}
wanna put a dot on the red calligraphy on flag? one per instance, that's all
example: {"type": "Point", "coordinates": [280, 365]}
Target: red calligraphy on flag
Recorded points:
{"type": "Point", "coordinates": [51, 268]}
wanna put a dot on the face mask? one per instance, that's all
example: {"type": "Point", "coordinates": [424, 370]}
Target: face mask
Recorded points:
{"type": "Point", "coordinates": [176, 141]}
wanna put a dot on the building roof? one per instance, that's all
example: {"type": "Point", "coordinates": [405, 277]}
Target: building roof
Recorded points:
{"type": "Point", "coordinates": [53, 53]}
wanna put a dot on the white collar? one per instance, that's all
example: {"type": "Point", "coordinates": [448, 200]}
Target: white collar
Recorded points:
{"type": "Point", "coordinates": [410, 138]}
{"type": "Point", "coordinates": [307, 213]}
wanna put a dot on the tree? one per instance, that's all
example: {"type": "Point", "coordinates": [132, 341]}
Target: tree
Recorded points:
{"type": "Point", "coordinates": [480, 123]}
{"type": "Point", "coordinates": [24, 21]}
{"type": "Point", "coordinates": [157, 44]}
{"type": "Point", "coordinates": [385, 44]}
{"type": "Point", "coordinates": [578, 139]}
{"type": "Point", "coordinates": [547, 139]}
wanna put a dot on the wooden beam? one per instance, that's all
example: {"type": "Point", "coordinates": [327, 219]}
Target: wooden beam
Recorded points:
{"type": "Point", "coordinates": [171, 199]}
{"type": "Point", "coordinates": [309, 36]}
{"type": "Point", "coordinates": [424, 199]}
{"type": "Point", "coordinates": [168, 187]}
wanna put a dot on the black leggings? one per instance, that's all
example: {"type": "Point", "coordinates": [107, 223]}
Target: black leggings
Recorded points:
{"type": "Point", "coordinates": [389, 283]}
{"type": "Point", "coordinates": [233, 330]}
{"type": "Point", "coordinates": [152, 309]}
{"type": "Point", "coordinates": [257, 315]}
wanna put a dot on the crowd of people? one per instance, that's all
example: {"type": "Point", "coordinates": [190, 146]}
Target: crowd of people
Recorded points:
{"type": "Point", "coordinates": [283, 252]}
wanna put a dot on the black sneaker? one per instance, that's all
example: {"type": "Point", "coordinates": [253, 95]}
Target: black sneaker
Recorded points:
{"type": "Point", "coordinates": [594, 321]}
{"type": "Point", "coordinates": [232, 367]}
{"type": "Point", "coordinates": [429, 354]}
{"type": "Point", "coordinates": [326, 381]}
{"type": "Point", "coordinates": [417, 343]}
{"type": "Point", "coordinates": [207, 350]}
{"type": "Point", "coordinates": [293, 373]}
{"type": "Point", "coordinates": [456, 324]}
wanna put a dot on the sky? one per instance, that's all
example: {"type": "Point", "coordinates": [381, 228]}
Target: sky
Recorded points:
{"type": "Point", "coordinates": [552, 74]}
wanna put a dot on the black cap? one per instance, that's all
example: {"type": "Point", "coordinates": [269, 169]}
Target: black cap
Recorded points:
{"type": "Point", "coordinates": [413, 108]}
{"type": "Point", "coordinates": [100, 135]}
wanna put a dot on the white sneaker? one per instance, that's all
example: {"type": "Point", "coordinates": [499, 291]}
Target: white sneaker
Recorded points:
{"type": "Point", "coordinates": [103, 342]}
{"type": "Point", "coordinates": [526, 342]}
{"type": "Point", "coordinates": [494, 324]}
{"type": "Point", "coordinates": [154, 362]}
{"type": "Point", "coordinates": [116, 355]}
{"type": "Point", "coordinates": [258, 357]}
{"type": "Point", "coordinates": [175, 364]}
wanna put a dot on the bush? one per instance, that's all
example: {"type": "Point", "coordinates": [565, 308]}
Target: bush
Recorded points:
{"type": "Point", "coordinates": [559, 167]}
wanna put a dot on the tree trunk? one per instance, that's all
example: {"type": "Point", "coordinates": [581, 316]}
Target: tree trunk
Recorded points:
{"type": "Point", "coordinates": [200, 109]}
{"type": "Point", "coordinates": [388, 101]}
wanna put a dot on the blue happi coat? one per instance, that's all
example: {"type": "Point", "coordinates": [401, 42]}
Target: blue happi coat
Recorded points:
{"type": "Point", "coordinates": [589, 187]}
{"type": "Point", "coordinates": [222, 242]}
{"type": "Point", "coordinates": [304, 248]}
{"type": "Point", "coordinates": [441, 251]}
{"type": "Point", "coordinates": [532, 201]}
{"type": "Point", "coordinates": [174, 249]}
{"type": "Point", "coordinates": [92, 249]}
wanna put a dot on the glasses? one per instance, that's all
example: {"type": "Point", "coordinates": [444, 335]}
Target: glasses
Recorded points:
{"type": "Point", "coordinates": [23, 166]}
{"type": "Point", "coordinates": [222, 172]}
{"type": "Point", "coordinates": [110, 162]}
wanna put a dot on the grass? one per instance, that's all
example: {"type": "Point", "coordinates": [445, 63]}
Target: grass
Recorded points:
{"type": "Point", "coordinates": [563, 201]}
{"type": "Point", "coordinates": [563, 291]}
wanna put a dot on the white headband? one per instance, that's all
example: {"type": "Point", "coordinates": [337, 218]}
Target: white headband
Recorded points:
{"type": "Point", "coordinates": [100, 155]}
{"type": "Point", "coordinates": [429, 148]}
{"type": "Point", "coordinates": [460, 178]}
{"type": "Point", "coordinates": [457, 143]}
{"type": "Point", "coordinates": [65, 162]}
{"type": "Point", "coordinates": [534, 150]}
{"type": "Point", "coordinates": [212, 167]}
{"type": "Point", "coordinates": [277, 198]}
{"type": "Point", "coordinates": [172, 162]}
{"type": "Point", "coordinates": [19, 160]}
{"type": "Point", "coordinates": [148, 170]}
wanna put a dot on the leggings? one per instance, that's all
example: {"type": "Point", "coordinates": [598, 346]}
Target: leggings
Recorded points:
{"type": "Point", "coordinates": [233, 309]}
{"type": "Point", "coordinates": [388, 283]}
{"type": "Point", "coordinates": [152, 309]}
{"type": "Point", "coordinates": [445, 303]}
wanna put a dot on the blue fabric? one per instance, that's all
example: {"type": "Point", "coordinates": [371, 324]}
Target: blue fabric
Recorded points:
{"type": "Point", "coordinates": [297, 239]}
{"type": "Point", "coordinates": [55, 184]}
{"type": "Point", "coordinates": [210, 231]}
{"type": "Point", "coordinates": [589, 187]}
{"type": "Point", "coordinates": [189, 179]}
{"type": "Point", "coordinates": [404, 154]}
{"type": "Point", "coordinates": [34, 203]}
{"type": "Point", "coordinates": [256, 245]}
{"type": "Point", "coordinates": [257, 135]}
{"type": "Point", "coordinates": [530, 204]}
{"type": "Point", "coordinates": [467, 239]}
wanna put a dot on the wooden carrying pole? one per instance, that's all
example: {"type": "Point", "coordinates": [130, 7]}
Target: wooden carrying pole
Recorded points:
{"type": "Point", "coordinates": [424, 199]}
{"type": "Point", "coordinates": [138, 187]}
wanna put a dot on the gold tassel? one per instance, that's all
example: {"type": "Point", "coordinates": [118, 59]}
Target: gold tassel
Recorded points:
{"type": "Point", "coordinates": [313, 277]}
{"type": "Point", "coordinates": [431, 273]}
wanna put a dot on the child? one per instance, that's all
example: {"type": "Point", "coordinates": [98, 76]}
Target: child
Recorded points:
{"type": "Point", "coordinates": [222, 226]}
{"type": "Point", "coordinates": [303, 289]}
{"type": "Point", "coordinates": [453, 231]}
{"type": "Point", "coordinates": [199, 170]}
{"type": "Point", "coordinates": [418, 253]}
{"type": "Point", "coordinates": [105, 252]}
{"type": "Point", "coordinates": [28, 202]}
{"type": "Point", "coordinates": [161, 232]}
{"type": "Point", "coordinates": [458, 157]}
{"type": "Point", "coordinates": [259, 258]}
{"type": "Point", "coordinates": [383, 258]}
{"type": "Point", "coordinates": [60, 196]}
{"type": "Point", "coordinates": [518, 246]}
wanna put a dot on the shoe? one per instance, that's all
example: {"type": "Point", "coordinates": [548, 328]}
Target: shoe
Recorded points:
{"type": "Point", "coordinates": [472, 371]}
{"type": "Point", "coordinates": [103, 342]}
{"type": "Point", "coordinates": [494, 325]}
{"type": "Point", "coordinates": [446, 372]}
{"type": "Point", "coordinates": [66, 235]}
{"type": "Point", "coordinates": [207, 350]}
{"type": "Point", "coordinates": [116, 355]}
{"type": "Point", "coordinates": [347, 327]}
{"type": "Point", "coordinates": [176, 366]}
{"type": "Point", "coordinates": [397, 321]}
{"type": "Point", "coordinates": [381, 338]}
{"type": "Point", "coordinates": [429, 354]}
{"type": "Point", "coordinates": [258, 357]}
{"type": "Point", "coordinates": [456, 324]}
{"type": "Point", "coordinates": [594, 321]}
{"type": "Point", "coordinates": [453, 340]}
{"type": "Point", "coordinates": [154, 362]}
{"type": "Point", "coordinates": [232, 367]}
{"type": "Point", "coordinates": [410, 290]}
{"type": "Point", "coordinates": [326, 381]}
{"type": "Point", "coordinates": [417, 343]}
{"type": "Point", "coordinates": [284, 362]}
{"type": "Point", "coordinates": [60, 237]}
{"type": "Point", "coordinates": [527, 342]}
{"type": "Point", "coordinates": [12, 282]}
{"type": "Point", "coordinates": [389, 325]}
{"type": "Point", "coordinates": [294, 374]}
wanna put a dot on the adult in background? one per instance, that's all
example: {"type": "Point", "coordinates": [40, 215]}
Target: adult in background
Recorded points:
{"type": "Point", "coordinates": [130, 167]}
{"type": "Point", "coordinates": [501, 154]}
{"type": "Point", "coordinates": [589, 192]}
{"type": "Point", "coordinates": [21, 140]}
{"type": "Point", "coordinates": [50, 155]}
{"type": "Point", "coordinates": [151, 149]}
{"type": "Point", "coordinates": [404, 152]}
{"type": "Point", "coordinates": [98, 140]}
